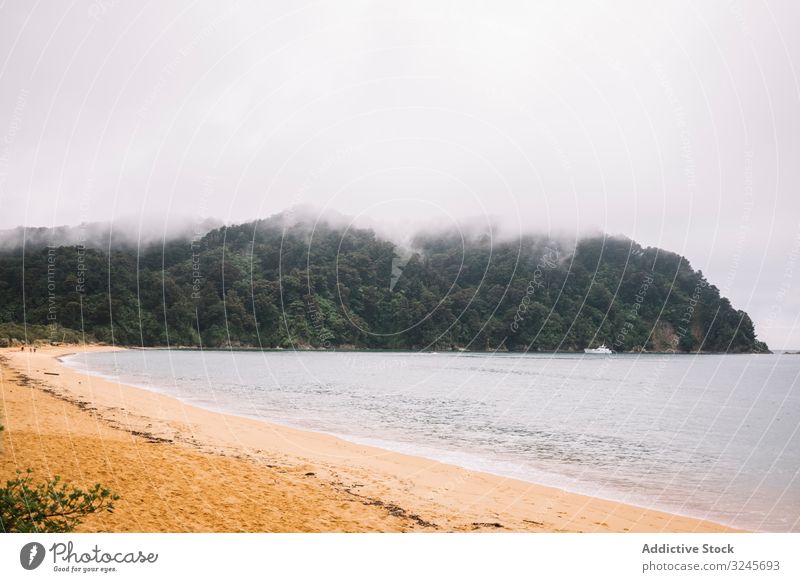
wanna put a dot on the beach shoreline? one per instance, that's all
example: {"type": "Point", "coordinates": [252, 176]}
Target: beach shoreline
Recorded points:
{"type": "Point", "coordinates": [178, 467]}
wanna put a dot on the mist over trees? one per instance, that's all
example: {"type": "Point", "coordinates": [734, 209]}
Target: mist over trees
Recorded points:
{"type": "Point", "coordinates": [263, 284]}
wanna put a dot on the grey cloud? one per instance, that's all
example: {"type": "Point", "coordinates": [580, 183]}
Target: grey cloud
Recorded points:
{"type": "Point", "coordinates": [676, 124]}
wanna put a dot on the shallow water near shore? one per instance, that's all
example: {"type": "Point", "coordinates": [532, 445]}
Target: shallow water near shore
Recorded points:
{"type": "Point", "coordinates": [713, 437]}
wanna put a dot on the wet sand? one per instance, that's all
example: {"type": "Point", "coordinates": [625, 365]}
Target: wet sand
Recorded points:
{"type": "Point", "coordinates": [179, 468]}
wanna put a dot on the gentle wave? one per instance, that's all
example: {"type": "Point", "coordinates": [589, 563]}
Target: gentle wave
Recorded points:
{"type": "Point", "coordinates": [713, 437]}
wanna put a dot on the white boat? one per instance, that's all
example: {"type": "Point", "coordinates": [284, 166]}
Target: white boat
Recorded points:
{"type": "Point", "coordinates": [600, 350]}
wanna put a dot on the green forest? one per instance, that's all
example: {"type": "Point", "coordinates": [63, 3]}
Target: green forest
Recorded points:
{"type": "Point", "coordinates": [262, 285]}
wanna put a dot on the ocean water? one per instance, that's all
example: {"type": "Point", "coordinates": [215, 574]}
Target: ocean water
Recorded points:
{"type": "Point", "coordinates": [714, 437]}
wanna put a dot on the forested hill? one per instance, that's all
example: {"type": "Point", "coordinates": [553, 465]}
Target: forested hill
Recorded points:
{"type": "Point", "coordinates": [258, 284]}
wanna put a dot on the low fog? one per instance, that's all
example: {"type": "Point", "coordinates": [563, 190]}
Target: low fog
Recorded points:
{"type": "Point", "coordinates": [674, 124]}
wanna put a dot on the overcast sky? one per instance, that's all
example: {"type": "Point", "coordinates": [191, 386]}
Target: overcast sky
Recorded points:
{"type": "Point", "coordinates": [674, 123]}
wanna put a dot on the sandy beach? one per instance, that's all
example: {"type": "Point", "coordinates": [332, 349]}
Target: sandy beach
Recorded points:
{"type": "Point", "coordinates": [179, 468]}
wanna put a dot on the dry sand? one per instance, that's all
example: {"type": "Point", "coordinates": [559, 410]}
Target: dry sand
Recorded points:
{"type": "Point", "coordinates": [179, 468]}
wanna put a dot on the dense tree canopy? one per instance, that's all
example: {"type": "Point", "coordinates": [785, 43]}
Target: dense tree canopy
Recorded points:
{"type": "Point", "coordinates": [262, 285]}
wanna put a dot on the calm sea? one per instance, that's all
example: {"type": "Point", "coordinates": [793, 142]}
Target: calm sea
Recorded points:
{"type": "Point", "coordinates": [714, 437]}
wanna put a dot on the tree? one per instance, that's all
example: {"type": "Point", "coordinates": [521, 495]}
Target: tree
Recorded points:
{"type": "Point", "coordinates": [250, 284]}
{"type": "Point", "coordinates": [52, 506]}
{"type": "Point", "coordinates": [49, 507]}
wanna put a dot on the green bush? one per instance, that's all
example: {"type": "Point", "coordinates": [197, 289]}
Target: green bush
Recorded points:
{"type": "Point", "coordinates": [52, 506]}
